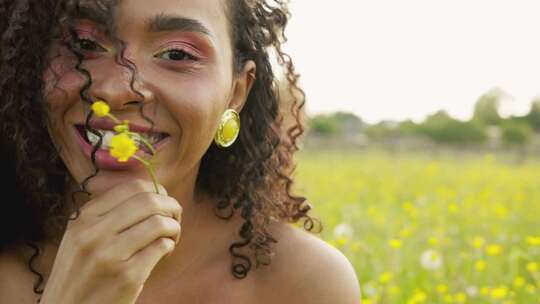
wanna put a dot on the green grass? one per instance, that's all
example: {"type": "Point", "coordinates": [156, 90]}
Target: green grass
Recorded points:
{"type": "Point", "coordinates": [471, 210]}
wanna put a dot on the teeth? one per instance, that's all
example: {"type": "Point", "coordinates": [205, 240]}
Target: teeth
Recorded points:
{"type": "Point", "coordinates": [107, 136]}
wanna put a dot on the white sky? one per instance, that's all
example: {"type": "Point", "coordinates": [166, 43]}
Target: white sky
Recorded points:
{"type": "Point", "coordinates": [398, 59]}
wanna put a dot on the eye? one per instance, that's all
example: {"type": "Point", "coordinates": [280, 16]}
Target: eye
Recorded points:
{"type": "Point", "coordinates": [176, 55]}
{"type": "Point", "coordinates": [87, 45]}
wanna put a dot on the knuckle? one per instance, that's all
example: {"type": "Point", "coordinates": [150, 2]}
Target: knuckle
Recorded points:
{"type": "Point", "coordinates": [160, 222]}
{"type": "Point", "coordinates": [153, 203]}
{"type": "Point", "coordinates": [139, 185]}
{"type": "Point", "coordinates": [103, 260]}
{"type": "Point", "coordinates": [165, 244]}
{"type": "Point", "coordinates": [84, 242]}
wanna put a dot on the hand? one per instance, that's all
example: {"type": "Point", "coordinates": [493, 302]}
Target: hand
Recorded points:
{"type": "Point", "coordinates": [109, 251]}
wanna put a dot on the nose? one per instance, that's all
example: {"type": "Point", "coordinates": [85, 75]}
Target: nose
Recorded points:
{"type": "Point", "coordinates": [119, 86]}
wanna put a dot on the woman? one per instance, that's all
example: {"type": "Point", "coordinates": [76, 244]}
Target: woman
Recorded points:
{"type": "Point", "coordinates": [87, 228]}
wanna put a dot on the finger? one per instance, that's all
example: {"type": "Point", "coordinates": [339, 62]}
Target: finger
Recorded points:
{"type": "Point", "coordinates": [105, 202]}
{"type": "Point", "coordinates": [138, 208]}
{"type": "Point", "coordinates": [144, 233]}
{"type": "Point", "coordinates": [145, 260]}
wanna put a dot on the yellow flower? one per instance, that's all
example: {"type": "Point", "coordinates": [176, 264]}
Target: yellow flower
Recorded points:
{"type": "Point", "coordinates": [395, 243]}
{"type": "Point", "coordinates": [341, 241]}
{"type": "Point", "coordinates": [442, 288]}
{"type": "Point", "coordinates": [418, 297]}
{"type": "Point", "coordinates": [519, 282]}
{"type": "Point", "coordinates": [494, 250]}
{"type": "Point", "coordinates": [478, 242]}
{"type": "Point", "coordinates": [480, 265]}
{"type": "Point", "coordinates": [385, 277]}
{"type": "Point", "coordinates": [122, 128]}
{"type": "Point", "coordinates": [448, 299]}
{"type": "Point", "coordinates": [460, 297]}
{"type": "Point", "coordinates": [100, 108]}
{"type": "Point", "coordinates": [485, 291]}
{"type": "Point", "coordinates": [405, 232]}
{"type": "Point", "coordinates": [532, 267]}
{"type": "Point", "coordinates": [499, 292]}
{"type": "Point", "coordinates": [122, 147]}
{"type": "Point", "coordinates": [533, 240]}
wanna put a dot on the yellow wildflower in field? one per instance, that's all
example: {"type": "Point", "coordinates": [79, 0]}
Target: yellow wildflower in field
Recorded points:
{"type": "Point", "coordinates": [418, 297]}
{"type": "Point", "coordinates": [341, 241]}
{"type": "Point", "coordinates": [405, 232]}
{"type": "Point", "coordinates": [532, 267]}
{"type": "Point", "coordinates": [519, 282]}
{"type": "Point", "coordinates": [395, 243]}
{"type": "Point", "coordinates": [501, 211]}
{"type": "Point", "coordinates": [448, 299]}
{"type": "Point", "coordinates": [485, 291]}
{"type": "Point", "coordinates": [478, 242]}
{"type": "Point", "coordinates": [410, 209]}
{"type": "Point", "coordinates": [493, 250]}
{"type": "Point", "coordinates": [453, 208]}
{"type": "Point", "coordinates": [460, 297]}
{"type": "Point", "coordinates": [499, 292]}
{"type": "Point", "coordinates": [480, 265]}
{"type": "Point", "coordinates": [433, 241]}
{"type": "Point", "coordinates": [533, 240]}
{"type": "Point", "coordinates": [442, 288]}
{"type": "Point", "coordinates": [385, 277]}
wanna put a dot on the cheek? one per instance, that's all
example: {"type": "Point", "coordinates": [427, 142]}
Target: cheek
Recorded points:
{"type": "Point", "coordinates": [195, 105]}
{"type": "Point", "coordinates": [62, 82]}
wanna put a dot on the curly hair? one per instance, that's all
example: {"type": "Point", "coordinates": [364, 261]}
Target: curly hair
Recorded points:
{"type": "Point", "coordinates": [254, 176]}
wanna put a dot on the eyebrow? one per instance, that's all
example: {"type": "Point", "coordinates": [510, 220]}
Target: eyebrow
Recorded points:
{"type": "Point", "coordinates": [90, 13]}
{"type": "Point", "coordinates": [168, 23]}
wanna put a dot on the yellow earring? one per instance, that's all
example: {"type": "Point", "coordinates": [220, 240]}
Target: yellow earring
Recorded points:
{"type": "Point", "coordinates": [229, 128]}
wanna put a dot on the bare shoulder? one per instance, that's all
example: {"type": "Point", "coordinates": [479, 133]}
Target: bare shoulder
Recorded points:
{"type": "Point", "coordinates": [15, 279]}
{"type": "Point", "coordinates": [306, 269]}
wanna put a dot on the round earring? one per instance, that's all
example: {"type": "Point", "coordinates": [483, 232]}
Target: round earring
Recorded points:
{"type": "Point", "coordinates": [229, 128]}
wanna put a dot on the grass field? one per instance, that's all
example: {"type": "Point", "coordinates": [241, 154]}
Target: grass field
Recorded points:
{"type": "Point", "coordinates": [424, 229]}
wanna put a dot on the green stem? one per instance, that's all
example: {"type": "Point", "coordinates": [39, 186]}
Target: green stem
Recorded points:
{"type": "Point", "coordinates": [114, 119]}
{"type": "Point", "coordinates": [150, 170]}
{"type": "Point", "coordinates": [144, 141]}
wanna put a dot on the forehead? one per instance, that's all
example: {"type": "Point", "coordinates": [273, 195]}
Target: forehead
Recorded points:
{"type": "Point", "coordinates": [136, 15]}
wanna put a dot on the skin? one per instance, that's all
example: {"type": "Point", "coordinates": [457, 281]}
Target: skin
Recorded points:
{"type": "Point", "coordinates": [185, 99]}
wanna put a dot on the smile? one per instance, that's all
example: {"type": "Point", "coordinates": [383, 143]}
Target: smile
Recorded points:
{"type": "Point", "coordinates": [104, 131]}
{"type": "Point", "coordinates": [94, 136]}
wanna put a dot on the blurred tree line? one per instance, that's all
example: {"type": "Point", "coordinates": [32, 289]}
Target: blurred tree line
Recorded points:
{"type": "Point", "coordinates": [486, 124]}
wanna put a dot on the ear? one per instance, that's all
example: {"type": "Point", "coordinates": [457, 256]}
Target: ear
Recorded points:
{"type": "Point", "coordinates": [242, 86]}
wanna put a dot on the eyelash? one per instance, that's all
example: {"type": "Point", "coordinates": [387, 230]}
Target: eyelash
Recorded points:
{"type": "Point", "coordinates": [99, 48]}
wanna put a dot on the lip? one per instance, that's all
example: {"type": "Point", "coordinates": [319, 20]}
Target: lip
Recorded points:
{"type": "Point", "coordinates": [107, 124]}
{"type": "Point", "coordinates": [103, 158]}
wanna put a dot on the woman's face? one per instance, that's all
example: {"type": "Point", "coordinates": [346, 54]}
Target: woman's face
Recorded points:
{"type": "Point", "coordinates": [184, 60]}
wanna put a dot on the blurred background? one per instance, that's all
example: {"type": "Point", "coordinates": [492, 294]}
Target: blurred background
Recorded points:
{"type": "Point", "coordinates": [422, 153]}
